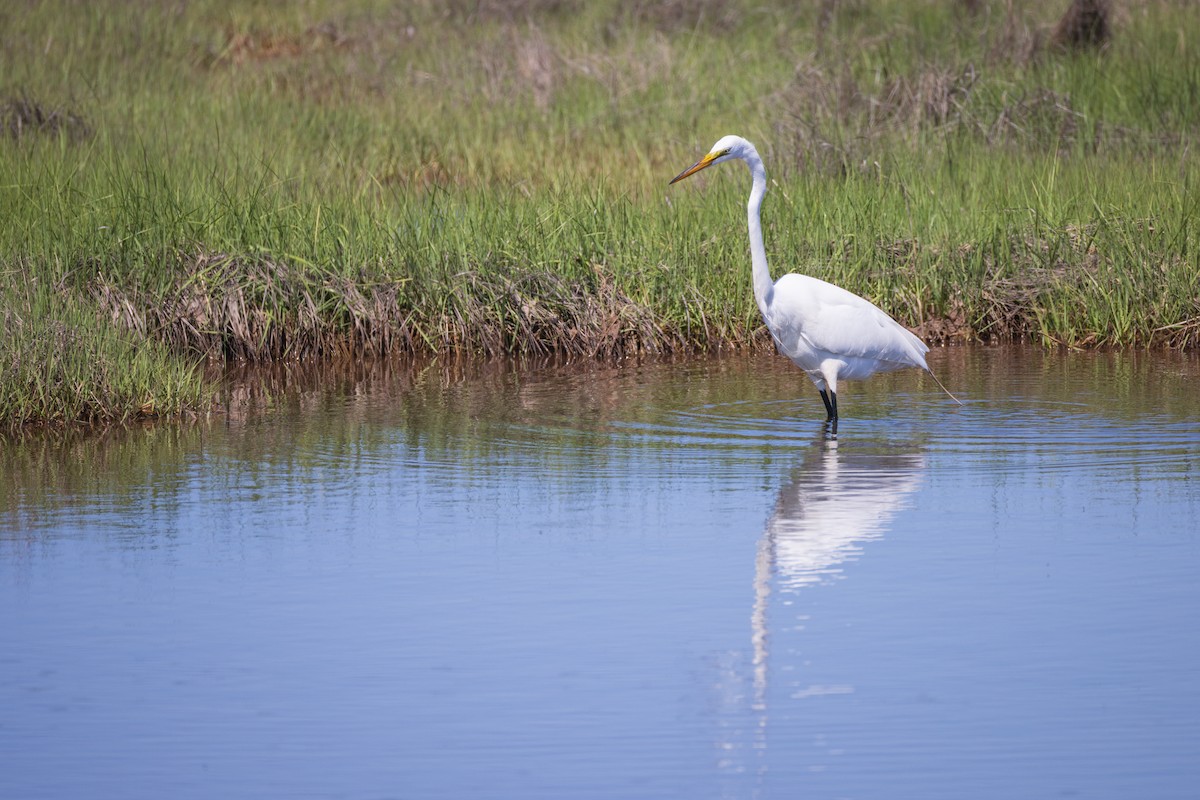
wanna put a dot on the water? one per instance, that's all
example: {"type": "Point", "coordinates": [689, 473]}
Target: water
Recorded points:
{"type": "Point", "coordinates": [649, 581]}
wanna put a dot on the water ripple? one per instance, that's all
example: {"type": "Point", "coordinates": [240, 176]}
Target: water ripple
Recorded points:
{"type": "Point", "coordinates": [1019, 435]}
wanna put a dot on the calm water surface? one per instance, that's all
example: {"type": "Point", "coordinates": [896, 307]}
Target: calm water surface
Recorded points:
{"type": "Point", "coordinates": [643, 581]}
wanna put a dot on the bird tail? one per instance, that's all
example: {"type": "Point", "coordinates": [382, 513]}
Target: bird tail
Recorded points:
{"type": "Point", "coordinates": [943, 388]}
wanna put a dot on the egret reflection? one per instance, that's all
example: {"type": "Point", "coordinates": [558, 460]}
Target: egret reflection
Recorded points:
{"type": "Point", "coordinates": [835, 501]}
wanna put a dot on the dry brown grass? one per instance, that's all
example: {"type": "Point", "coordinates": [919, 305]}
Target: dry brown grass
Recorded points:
{"type": "Point", "coordinates": [22, 116]}
{"type": "Point", "coordinates": [243, 47]}
{"type": "Point", "coordinates": [832, 120]}
{"type": "Point", "coordinates": [1085, 25]}
{"type": "Point", "coordinates": [537, 67]}
{"type": "Point", "coordinates": [256, 309]}
{"type": "Point", "coordinates": [475, 11]}
{"type": "Point", "coordinates": [1044, 118]}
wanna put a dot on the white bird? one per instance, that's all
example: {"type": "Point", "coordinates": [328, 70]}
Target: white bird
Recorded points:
{"type": "Point", "coordinates": [828, 332]}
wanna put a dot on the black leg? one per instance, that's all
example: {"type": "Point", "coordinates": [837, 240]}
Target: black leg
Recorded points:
{"type": "Point", "coordinates": [829, 412]}
{"type": "Point", "coordinates": [830, 401]}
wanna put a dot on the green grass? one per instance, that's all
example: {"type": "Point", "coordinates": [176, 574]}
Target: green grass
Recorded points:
{"type": "Point", "coordinates": [64, 364]}
{"type": "Point", "coordinates": [263, 181]}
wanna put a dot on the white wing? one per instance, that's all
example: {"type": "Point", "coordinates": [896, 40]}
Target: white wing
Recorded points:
{"type": "Point", "coordinates": [812, 319]}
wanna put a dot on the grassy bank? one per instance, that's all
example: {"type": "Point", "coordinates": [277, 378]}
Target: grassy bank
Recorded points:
{"type": "Point", "coordinates": [64, 363]}
{"type": "Point", "coordinates": [252, 181]}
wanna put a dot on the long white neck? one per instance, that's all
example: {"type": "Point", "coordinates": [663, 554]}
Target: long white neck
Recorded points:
{"type": "Point", "coordinates": [764, 287]}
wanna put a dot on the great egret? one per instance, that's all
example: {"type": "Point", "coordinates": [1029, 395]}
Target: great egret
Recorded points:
{"type": "Point", "coordinates": [826, 331]}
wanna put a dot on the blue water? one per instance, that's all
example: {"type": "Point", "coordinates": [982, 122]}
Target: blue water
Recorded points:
{"type": "Point", "coordinates": [656, 580]}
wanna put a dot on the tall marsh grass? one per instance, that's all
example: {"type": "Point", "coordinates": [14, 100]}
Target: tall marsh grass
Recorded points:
{"type": "Point", "coordinates": [262, 181]}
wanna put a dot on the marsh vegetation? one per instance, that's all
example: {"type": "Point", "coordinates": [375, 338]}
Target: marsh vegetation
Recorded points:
{"type": "Point", "coordinates": [214, 181]}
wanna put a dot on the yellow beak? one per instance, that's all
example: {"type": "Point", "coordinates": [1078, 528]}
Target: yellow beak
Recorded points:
{"type": "Point", "coordinates": [707, 161]}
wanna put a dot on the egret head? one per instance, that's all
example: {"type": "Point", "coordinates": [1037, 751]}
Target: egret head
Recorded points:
{"type": "Point", "coordinates": [726, 148]}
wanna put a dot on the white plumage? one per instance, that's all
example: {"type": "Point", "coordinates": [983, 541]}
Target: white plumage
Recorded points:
{"type": "Point", "coordinates": [828, 332]}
